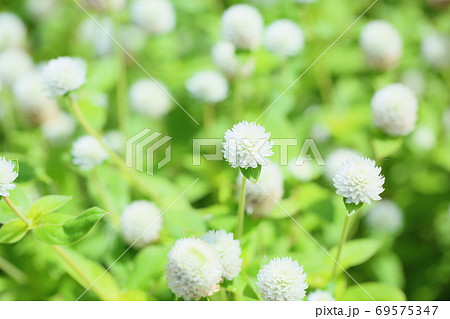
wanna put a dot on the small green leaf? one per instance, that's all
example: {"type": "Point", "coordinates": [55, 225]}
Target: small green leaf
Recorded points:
{"type": "Point", "coordinates": [46, 205]}
{"type": "Point", "coordinates": [13, 231]}
{"type": "Point", "coordinates": [356, 252]}
{"type": "Point", "coordinates": [252, 174]}
{"type": "Point", "coordinates": [377, 290]}
{"type": "Point", "coordinates": [352, 208]}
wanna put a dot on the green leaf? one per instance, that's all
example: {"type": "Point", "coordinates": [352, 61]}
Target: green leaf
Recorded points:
{"type": "Point", "coordinates": [356, 252]}
{"type": "Point", "coordinates": [46, 205]}
{"type": "Point", "coordinates": [379, 291]}
{"type": "Point", "coordinates": [19, 197]}
{"type": "Point", "coordinates": [252, 174]}
{"type": "Point", "coordinates": [352, 208]}
{"type": "Point", "coordinates": [69, 231]}
{"type": "Point", "coordinates": [13, 231]}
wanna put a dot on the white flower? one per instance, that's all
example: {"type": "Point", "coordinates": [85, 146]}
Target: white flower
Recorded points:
{"type": "Point", "coordinates": [141, 223]}
{"type": "Point", "coordinates": [229, 250]}
{"type": "Point", "coordinates": [424, 138]}
{"type": "Point", "coordinates": [415, 80]}
{"type": "Point", "coordinates": [91, 33]}
{"type": "Point", "coordinates": [284, 38]}
{"type": "Point", "coordinates": [305, 170]}
{"type": "Point", "coordinates": [88, 152]}
{"type": "Point", "coordinates": [382, 44]}
{"type": "Point", "coordinates": [41, 9]}
{"type": "Point", "coordinates": [282, 280]}
{"type": "Point", "coordinates": [63, 75]}
{"type": "Point", "coordinates": [12, 31]}
{"type": "Point", "coordinates": [14, 63]}
{"type": "Point", "coordinates": [335, 160]}
{"type": "Point", "coordinates": [58, 128]}
{"type": "Point", "coordinates": [208, 86]}
{"type": "Point", "coordinates": [7, 176]}
{"type": "Point", "coordinates": [149, 98]}
{"type": "Point", "coordinates": [435, 49]}
{"type": "Point", "coordinates": [116, 141]}
{"type": "Point", "coordinates": [394, 109]}
{"type": "Point", "coordinates": [262, 197]}
{"type": "Point", "coordinates": [247, 145]}
{"type": "Point", "coordinates": [359, 180]}
{"type": "Point", "coordinates": [224, 56]}
{"type": "Point", "coordinates": [193, 269]}
{"type": "Point", "coordinates": [154, 16]}
{"type": "Point", "coordinates": [320, 295]}
{"type": "Point", "coordinates": [242, 25]}
{"type": "Point", "coordinates": [384, 216]}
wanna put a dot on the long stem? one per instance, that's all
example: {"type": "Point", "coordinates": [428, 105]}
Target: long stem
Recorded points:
{"type": "Point", "coordinates": [12, 271]}
{"type": "Point", "coordinates": [16, 211]}
{"type": "Point", "coordinates": [341, 244]}
{"type": "Point", "coordinates": [241, 210]}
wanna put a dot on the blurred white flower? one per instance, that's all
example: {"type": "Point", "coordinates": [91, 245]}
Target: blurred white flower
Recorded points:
{"type": "Point", "coordinates": [229, 250]}
{"type": "Point", "coordinates": [320, 132]}
{"type": "Point", "coordinates": [88, 152]}
{"type": "Point", "coordinates": [41, 9]}
{"type": "Point", "coordinates": [394, 109]}
{"type": "Point", "coordinates": [415, 80]}
{"type": "Point", "coordinates": [12, 31]}
{"type": "Point", "coordinates": [359, 180]}
{"type": "Point", "coordinates": [193, 269]}
{"type": "Point", "coordinates": [385, 217]}
{"type": "Point", "coordinates": [208, 86]}
{"type": "Point", "coordinates": [91, 33]}
{"type": "Point", "coordinates": [224, 56]}
{"type": "Point", "coordinates": [424, 138]}
{"type": "Point", "coordinates": [58, 128]}
{"type": "Point", "coordinates": [63, 75]}
{"type": "Point", "coordinates": [435, 49]}
{"type": "Point", "coordinates": [141, 223]}
{"type": "Point", "coordinates": [320, 295]}
{"type": "Point", "coordinates": [335, 160]}
{"type": "Point", "coordinates": [7, 176]}
{"type": "Point", "coordinates": [247, 145]}
{"type": "Point", "coordinates": [381, 44]}
{"type": "Point", "coordinates": [242, 25]}
{"type": "Point", "coordinates": [282, 280]}
{"type": "Point", "coordinates": [149, 98]}
{"type": "Point", "coordinates": [154, 16]}
{"type": "Point", "coordinates": [14, 63]}
{"type": "Point", "coordinates": [284, 38]}
{"type": "Point", "coordinates": [305, 170]}
{"type": "Point", "coordinates": [116, 141]}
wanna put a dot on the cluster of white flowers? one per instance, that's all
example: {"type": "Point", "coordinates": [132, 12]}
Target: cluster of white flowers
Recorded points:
{"type": "Point", "coordinates": [224, 57]}
{"type": "Point", "coordinates": [12, 31]}
{"type": "Point", "coordinates": [335, 160]}
{"type": "Point", "coordinates": [88, 152]}
{"type": "Point", "coordinates": [320, 295]}
{"type": "Point", "coordinates": [394, 109]}
{"type": "Point", "coordinates": [58, 128]}
{"type": "Point", "coordinates": [381, 44]}
{"type": "Point", "coordinates": [247, 145]}
{"type": "Point", "coordinates": [284, 38]}
{"type": "Point", "coordinates": [359, 180]}
{"type": "Point", "coordinates": [14, 63]}
{"type": "Point", "coordinates": [7, 176]}
{"type": "Point", "coordinates": [150, 99]}
{"type": "Point", "coordinates": [154, 16]}
{"type": "Point", "coordinates": [141, 223]}
{"type": "Point", "coordinates": [435, 49]}
{"type": "Point", "coordinates": [63, 75]}
{"type": "Point", "coordinates": [282, 280]}
{"type": "Point", "coordinates": [304, 170]}
{"type": "Point", "coordinates": [384, 216]}
{"type": "Point", "coordinates": [208, 86]}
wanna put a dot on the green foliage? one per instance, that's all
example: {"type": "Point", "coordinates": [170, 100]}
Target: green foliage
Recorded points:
{"type": "Point", "coordinates": [13, 231]}
{"type": "Point", "coordinates": [378, 291]}
{"type": "Point", "coordinates": [252, 174]}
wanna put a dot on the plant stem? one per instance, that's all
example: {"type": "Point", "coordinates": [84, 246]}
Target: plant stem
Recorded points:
{"type": "Point", "coordinates": [16, 211]}
{"type": "Point", "coordinates": [341, 244]}
{"type": "Point", "coordinates": [13, 271]}
{"type": "Point", "coordinates": [241, 210]}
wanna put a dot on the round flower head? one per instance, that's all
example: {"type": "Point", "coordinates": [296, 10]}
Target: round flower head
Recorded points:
{"type": "Point", "coordinates": [7, 176]}
{"type": "Point", "coordinates": [63, 75]}
{"type": "Point", "coordinates": [381, 44]}
{"type": "Point", "coordinates": [435, 49]}
{"type": "Point", "coordinates": [154, 16]}
{"type": "Point", "coordinates": [394, 109]}
{"type": "Point", "coordinates": [229, 250]}
{"type": "Point", "coordinates": [58, 128]}
{"type": "Point", "coordinates": [284, 38]}
{"type": "Point", "coordinates": [88, 152]}
{"type": "Point", "coordinates": [359, 180]}
{"type": "Point", "coordinates": [224, 56]}
{"type": "Point", "coordinates": [335, 160]}
{"type": "Point", "coordinates": [243, 26]}
{"type": "Point", "coordinates": [305, 170]}
{"type": "Point", "coordinates": [385, 217]}
{"type": "Point", "coordinates": [193, 269]}
{"type": "Point", "coordinates": [14, 63]}
{"type": "Point", "coordinates": [261, 198]}
{"type": "Point", "coordinates": [208, 86]}
{"type": "Point", "coordinates": [247, 145]}
{"type": "Point", "coordinates": [282, 280]}
{"type": "Point", "coordinates": [415, 80]}
{"type": "Point", "coordinates": [149, 98]}
{"type": "Point", "coordinates": [141, 223]}
{"type": "Point", "coordinates": [320, 295]}
{"type": "Point", "coordinates": [116, 141]}
{"type": "Point", "coordinates": [12, 31]}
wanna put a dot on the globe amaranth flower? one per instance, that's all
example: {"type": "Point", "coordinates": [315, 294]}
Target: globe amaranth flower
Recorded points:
{"type": "Point", "coordinates": [381, 44]}
{"type": "Point", "coordinates": [242, 25]}
{"type": "Point", "coordinates": [435, 49]}
{"type": "Point", "coordinates": [284, 38]}
{"type": "Point", "coordinates": [14, 63]}
{"type": "Point", "coordinates": [247, 145]}
{"type": "Point", "coordinates": [335, 160]}
{"type": "Point", "coordinates": [12, 31]}
{"type": "Point", "coordinates": [154, 16]}
{"type": "Point", "coordinates": [7, 176]}
{"type": "Point", "coordinates": [88, 152]}
{"type": "Point", "coordinates": [193, 269]}
{"type": "Point", "coordinates": [150, 99]}
{"type": "Point", "coordinates": [63, 75]}
{"type": "Point", "coordinates": [359, 180]}
{"type": "Point", "coordinates": [58, 128]}
{"type": "Point", "coordinates": [262, 197]}
{"type": "Point", "coordinates": [394, 109]}
{"type": "Point", "coordinates": [141, 223]}
{"type": "Point", "coordinates": [224, 57]}
{"type": "Point", "coordinates": [229, 250]}
{"type": "Point", "coordinates": [282, 280]}
{"type": "Point", "coordinates": [208, 86]}
{"type": "Point", "coordinates": [384, 216]}
{"type": "Point", "coordinates": [320, 295]}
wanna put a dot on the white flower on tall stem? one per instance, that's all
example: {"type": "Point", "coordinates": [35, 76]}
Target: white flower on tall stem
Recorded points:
{"type": "Point", "coordinates": [12, 31]}
{"type": "Point", "coordinates": [208, 86]}
{"type": "Point", "coordinates": [154, 16]}
{"type": "Point", "coordinates": [150, 99]}
{"type": "Point", "coordinates": [284, 38]}
{"type": "Point", "coordinates": [88, 152]}
{"type": "Point", "coordinates": [63, 75]}
{"type": "Point", "coordinates": [7, 176]}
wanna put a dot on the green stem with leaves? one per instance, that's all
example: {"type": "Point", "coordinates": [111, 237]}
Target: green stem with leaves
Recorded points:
{"type": "Point", "coordinates": [241, 209]}
{"type": "Point", "coordinates": [17, 212]}
{"type": "Point", "coordinates": [341, 244]}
